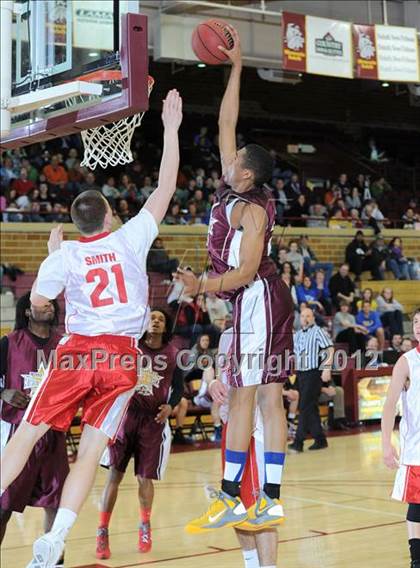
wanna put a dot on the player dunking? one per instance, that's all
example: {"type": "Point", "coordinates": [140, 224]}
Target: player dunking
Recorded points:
{"type": "Point", "coordinates": [406, 382]}
{"type": "Point", "coordinates": [241, 226]}
{"type": "Point", "coordinates": [41, 480]}
{"type": "Point", "coordinates": [106, 289]}
{"type": "Point", "coordinates": [145, 433]}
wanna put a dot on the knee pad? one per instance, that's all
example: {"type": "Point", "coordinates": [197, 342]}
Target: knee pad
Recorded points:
{"type": "Point", "coordinates": [413, 513]}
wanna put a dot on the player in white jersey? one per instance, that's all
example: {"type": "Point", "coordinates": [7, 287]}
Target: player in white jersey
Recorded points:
{"type": "Point", "coordinates": [406, 383]}
{"type": "Point", "coordinates": [104, 279]}
{"type": "Point", "coordinates": [259, 548]}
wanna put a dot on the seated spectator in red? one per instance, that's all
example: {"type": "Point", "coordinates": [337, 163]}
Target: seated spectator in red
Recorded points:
{"type": "Point", "coordinates": [332, 196]}
{"type": "Point", "coordinates": [23, 185]}
{"type": "Point", "coordinates": [371, 320]}
{"type": "Point", "coordinates": [55, 173]}
{"type": "Point", "coordinates": [342, 286]}
{"type": "Point", "coordinates": [193, 320]}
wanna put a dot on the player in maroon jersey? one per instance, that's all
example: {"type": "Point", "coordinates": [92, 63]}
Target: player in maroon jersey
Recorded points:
{"type": "Point", "coordinates": [145, 433]}
{"type": "Point", "coordinates": [42, 478]}
{"type": "Point", "coordinates": [240, 230]}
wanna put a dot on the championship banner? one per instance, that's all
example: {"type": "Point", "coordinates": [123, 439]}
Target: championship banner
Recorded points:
{"type": "Point", "coordinates": [329, 47]}
{"type": "Point", "coordinates": [397, 53]}
{"type": "Point", "coordinates": [365, 54]}
{"type": "Point", "coordinates": [294, 42]}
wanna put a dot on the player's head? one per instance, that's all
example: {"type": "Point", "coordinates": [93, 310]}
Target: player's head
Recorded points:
{"type": "Point", "coordinates": [160, 324]}
{"type": "Point", "coordinates": [91, 213]}
{"type": "Point", "coordinates": [416, 324]}
{"type": "Point", "coordinates": [252, 164]}
{"type": "Point", "coordinates": [307, 317]}
{"type": "Point", "coordinates": [26, 312]}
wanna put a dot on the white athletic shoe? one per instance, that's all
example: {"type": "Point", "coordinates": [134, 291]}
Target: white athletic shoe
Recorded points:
{"type": "Point", "coordinates": [47, 550]}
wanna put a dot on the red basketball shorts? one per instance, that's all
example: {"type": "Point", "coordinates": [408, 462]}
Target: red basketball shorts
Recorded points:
{"type": "Point", "coordinates": [407, 484]}
{"type": "Point", "coordinates": [253, 476]}
{"type": "Point", "coordinates": [96, 373]}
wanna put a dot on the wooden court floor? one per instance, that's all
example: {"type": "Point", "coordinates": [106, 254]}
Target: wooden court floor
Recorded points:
{"type": "Point", "coordinates": [339, 515]}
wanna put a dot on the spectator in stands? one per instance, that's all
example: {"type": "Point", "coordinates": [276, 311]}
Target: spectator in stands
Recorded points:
{"type": "Point", "coordinates": [90, 183]}
{"type": "Point", "coordinates": [200, 355]}
{"type": "Point", "coordinates": [299, 211]}
{"type": "Point", "coordinates": [193, 320]}
{"type": "Point", "coordinates": [367, 296]}
{"type": "Point", "coordinates": [201, 204]}
{"type": "Point", "coordinates": [174, 215]}
{"type": "Point", "coordinates": [406, 344]}
{"type": "Point", "coordinates": [374, 154]}
{"type": "Point", "coordinates": [391, 312]}
{"type": "Point", "coordinates": [202, 139]}
{"type": "Point", "coordinates": [7, 172]}
{"type": "Point", "coordinates": [310, 261]}
{"type": "Point", "coordinates": [344, 185]}
{"type": "Point", "coordinates": [293, 189]}
{"type": "Point", "coordinates": [379, 188]}
{"type": "Point", "coordinates": [318, 215]}
{"type": "Point", "coordinates": [123, 211]}
{"type": "Point", "coordinates": [218, 311]}
{"type": "Point", "coordinates": [398, 263]}
{"type": "Point", "coordinates": [192, 217]}
{"type": "Point", "coordinates": [371, 320]}
{"type": "Point", "coordinates": [308, 294]}
{"type": "Point", "coordinates": [76, 178]}
{"type": "Point", "coordinates": [373, 356]}
{"type": "Point", "coordinates": [410, 218]}
{"type": "Point", "coordinates": [360, 182]}
{"type": "Point", "coordinates": [147, 189]}
{"type": "Point", "coordinates": [23, 185]}
{"type": "Point", "coordinates": [342, 286]}
{"type": "Point", "coordinates": [380, 254]}
{"type": "Point", "coordinates": [322, 290]}
{"type": "Point", "coordinates": [353, 200]}
{"type": "Point", "coordinates": [110, 191]}
{"type": "Point", "coordinates": [60, 213]}
{"type": "Point", "coordinates": [55, 173]}
{"type": "Point", "coordinates": [360, 258]}
{"type": "Point", "coordinates": [296, 259]}
{"type": "Point", "coordinates": [72, 158]}
{"type": "Point", "coordinates": [346, 330]}
{"type": "Point", "coordinates": [396, 341]}
{"type": "Point", "coordinates": [158, 259]}
{"type": "Point", "coordinates": [281, 200]}
{"type": "Point", "coordinates": [332, 196]}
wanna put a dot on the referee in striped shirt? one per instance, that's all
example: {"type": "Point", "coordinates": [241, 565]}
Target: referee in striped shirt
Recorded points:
{"type": "Point", "coordinates": [313, 348]}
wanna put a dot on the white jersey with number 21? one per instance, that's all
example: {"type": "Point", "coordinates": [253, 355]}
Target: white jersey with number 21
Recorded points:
{"type": "Point", "coordinates": [104, 279]}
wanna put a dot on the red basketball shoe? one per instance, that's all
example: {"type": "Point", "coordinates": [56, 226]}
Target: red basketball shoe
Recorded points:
{"type": "Point", "coordinates": [103, 551]}
{"type": "Point", "coordinates": [145, 537]}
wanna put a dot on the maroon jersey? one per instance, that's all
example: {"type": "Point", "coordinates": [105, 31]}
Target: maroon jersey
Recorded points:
{"type": "Point", "coordinates": [155, 386]}
{"type": "Point", "coordinates": [223, 242]}
{"type": "Point", "coordinates": [22, 360]}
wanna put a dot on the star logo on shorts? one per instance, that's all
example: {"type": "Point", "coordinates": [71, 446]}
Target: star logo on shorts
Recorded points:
{"type": "Point", "coordinates": [33, 379]}
{"type": "Point", "coordinates": [146, 381]}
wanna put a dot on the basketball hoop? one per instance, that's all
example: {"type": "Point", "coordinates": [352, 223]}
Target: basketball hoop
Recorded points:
{"type": "Point", "coordinates": [108, 144]}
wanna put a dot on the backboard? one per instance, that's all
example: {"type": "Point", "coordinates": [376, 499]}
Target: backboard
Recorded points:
{"type": "Point", "coordinates": [75, 64]}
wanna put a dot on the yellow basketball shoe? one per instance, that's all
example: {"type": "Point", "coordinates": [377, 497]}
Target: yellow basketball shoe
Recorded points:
{"type": "Point", "coordinates": [265, 513]}
{"type": "Point", "coordinates": [225, 511]}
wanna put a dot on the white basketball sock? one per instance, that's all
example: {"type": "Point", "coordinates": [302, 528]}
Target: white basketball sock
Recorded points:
{"type": "Point", "coordinates": [64, 520]}
{"type": "Point", "coordinates": [251, 559]}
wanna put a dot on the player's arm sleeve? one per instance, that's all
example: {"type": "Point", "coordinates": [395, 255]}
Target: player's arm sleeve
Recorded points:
{"type": "Point", "coordinates": [51, 277]}
{"type": "Point", "coordinates": [4, 349]}
{"type": "Point", "coordinates": [177, 387]}
{"type": "Point", "coordinates": [141, 231]}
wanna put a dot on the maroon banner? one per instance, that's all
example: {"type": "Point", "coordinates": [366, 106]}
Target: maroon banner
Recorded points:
{"type": "Point", "coordinates": [365, 54]}
{"type": "Point", "coordinates": [294, 42]}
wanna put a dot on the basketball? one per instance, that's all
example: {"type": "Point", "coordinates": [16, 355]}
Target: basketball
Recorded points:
{"type": "Point", "coordinates": [206, 38]}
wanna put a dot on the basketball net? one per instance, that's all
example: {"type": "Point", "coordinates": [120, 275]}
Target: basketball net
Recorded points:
{"type": "Point", "coordinates": [110, 144]}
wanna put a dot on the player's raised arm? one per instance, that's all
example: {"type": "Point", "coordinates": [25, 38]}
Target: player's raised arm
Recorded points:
{"type": "Point", "coordinates": [399, 377]}
{"type": "Point", "coordinates": [158, 202]}
{"type": "Point", "coordinates": [51, 278]}
{"type": "Point", "coordinates": [229, 109]}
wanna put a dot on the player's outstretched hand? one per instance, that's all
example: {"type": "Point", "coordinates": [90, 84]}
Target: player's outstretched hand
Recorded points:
{"type": "Point", "coordinates": [390, 456]}
{"type": "Point", "coordinates": [234, 54]}
{"type": "Point", "coordinates": [192, 285]}
{"type": "Point", "coordinates": [14, 397]}
{"type": "Point", "coordinates": [172, 110]}
{"type": "Point", "coordinates": [165, 410]}
{"type": "Point", "coordinates": [218, 391]}
{"type": "Point", "coordinates": [56, 238]}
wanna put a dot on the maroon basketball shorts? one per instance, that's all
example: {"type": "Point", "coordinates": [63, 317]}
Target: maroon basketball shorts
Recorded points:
{"type": "Point", "coordinates": [262, 341]}
{"type": "Point", "coordinates": [41, 481]}
{"type": "Point", "coordinates": [144, 439]}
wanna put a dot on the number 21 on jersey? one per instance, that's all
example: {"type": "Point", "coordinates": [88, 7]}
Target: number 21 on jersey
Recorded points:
{"type": "Point", "coordinates": [100, 297]}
